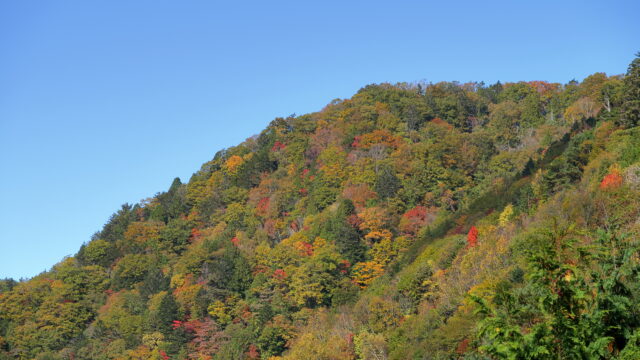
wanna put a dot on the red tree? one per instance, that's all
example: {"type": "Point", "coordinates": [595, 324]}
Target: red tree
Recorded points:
{"type": "Point", "coordinates": [413, 220]}
{"type": "Point", "coordinates": [611, 181]}
{"type": "Point", "coordinates": [253, 352]}
{"type": "Point", "coordinates": [235, 241]}
{"type": "Point", "coordinates": [278, 146]}
{"type": "Point", "coordinates": [195, 235]}
{"type": "Point", "coordinates": [263, 206]}
{"type": "Point", "coordinates": [280, 274]}
{"type": "Point", "coordinates": [472, 237]}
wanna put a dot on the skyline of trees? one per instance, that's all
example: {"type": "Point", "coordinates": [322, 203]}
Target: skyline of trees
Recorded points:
{"type": "Point", "coordinates": [432, 221]}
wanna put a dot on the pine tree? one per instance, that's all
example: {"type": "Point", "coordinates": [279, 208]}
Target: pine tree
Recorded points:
{"type": "Point", "coordinates": [344, 234]}
{"type": "Point", "coordinates": [631, 89]}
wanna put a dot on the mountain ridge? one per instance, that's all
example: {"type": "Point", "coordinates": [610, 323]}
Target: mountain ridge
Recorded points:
{"type": "Point", "coordinates": [429, 221]}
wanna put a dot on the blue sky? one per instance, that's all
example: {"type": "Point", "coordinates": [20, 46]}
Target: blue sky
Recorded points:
{"type": "Point", "coordinates": [105, 102]}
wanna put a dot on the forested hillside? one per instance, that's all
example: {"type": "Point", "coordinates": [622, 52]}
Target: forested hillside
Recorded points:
{"type": "Point", "coordinates": [411, 221]}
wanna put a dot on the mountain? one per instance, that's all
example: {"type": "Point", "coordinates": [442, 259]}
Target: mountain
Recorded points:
{"type": "Point", "coordinates": [411, 221]}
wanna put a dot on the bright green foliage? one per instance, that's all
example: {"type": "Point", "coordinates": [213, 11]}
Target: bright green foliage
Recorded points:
{"type": "Point", "coordinates": [577, 303]}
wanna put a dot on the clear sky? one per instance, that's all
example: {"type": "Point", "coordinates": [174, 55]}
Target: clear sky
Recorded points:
{"type": "Point", "coordinates": [105, 102]}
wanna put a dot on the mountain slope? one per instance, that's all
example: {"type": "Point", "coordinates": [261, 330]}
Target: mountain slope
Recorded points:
{"type": "Point", "coordinates": [408, 222]}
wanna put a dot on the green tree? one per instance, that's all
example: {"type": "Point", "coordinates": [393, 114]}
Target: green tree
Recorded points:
{"type": "Point", "coordinates": [154, 282]}
{"type": "Point", "coordinates": [346, 237]}
{"type": "Point", "coordinates": [631, 95]}
{"type": "Point", "coordinates": [386, 183]}
{"type": "Point", "coordinates": [131, 269]}
{"type": "Point", "coordinates": [577, 302]}
{"type": "Point", "coordinates": [505, 123]}
{"type": "Point", "coordinates": [118, 223]}
{"type": "Point", "coordinates": [98, 252]}
{"type": "Point", "coordinates": [175, 236]}
{"type": "Point", "coordinates": [162, 311]}
{"type": "Point", "coordinates": [170, 204]}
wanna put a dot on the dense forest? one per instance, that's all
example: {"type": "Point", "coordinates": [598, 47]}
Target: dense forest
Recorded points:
{"type": "Point", "coordinates": [411, 221]}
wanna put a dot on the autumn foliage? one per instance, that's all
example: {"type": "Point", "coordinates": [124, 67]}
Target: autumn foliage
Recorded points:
{"type": "Point", "coordinates": [472, 237]}
{"type": "Point", "coordinates": [340, 234]}
{"type": "Point", "coordinates": [414, 219]}
{"type": "Point", "coordinates": [381, 137]}
{"type": "Point", "coordinates": [612, 180]}
{"type": "Point", "coordinates": [278, 146]}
